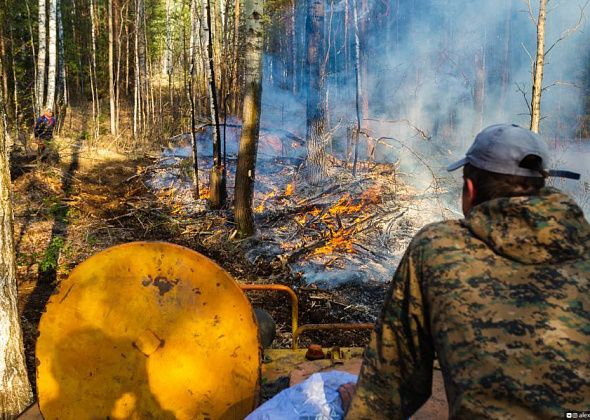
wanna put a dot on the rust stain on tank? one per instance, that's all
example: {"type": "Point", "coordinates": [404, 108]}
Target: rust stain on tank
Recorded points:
{"type": "Point", "coordinates": [162, 283]}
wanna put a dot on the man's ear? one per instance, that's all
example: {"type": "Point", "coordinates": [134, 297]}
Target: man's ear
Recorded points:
{"type": "Point", "coordinates": [469, 194]}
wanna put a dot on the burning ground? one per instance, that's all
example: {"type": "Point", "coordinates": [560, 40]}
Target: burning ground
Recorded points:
{"type": "Point", "coordinates": [350, 229]}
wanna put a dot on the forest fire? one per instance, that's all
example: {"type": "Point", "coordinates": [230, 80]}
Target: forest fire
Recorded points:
{"type": "Point", "coordinates": [299, 147]}
{"type": "Point", "coordinates": [289, 190]}
{"type": "Point", "coordinates": [323, 232]}
{"type": "Point", "coordinates": [340, 241]}
{"type": "Point", "coordinates": [331, 216]}
{"type": "Point", "coordinates": [203, 193]}
{"type": "Point", "coordinates": [265, 198]}
{"type": "Point", "coordinates": [339, 222]}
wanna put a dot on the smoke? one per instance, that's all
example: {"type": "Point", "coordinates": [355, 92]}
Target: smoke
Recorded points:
{"type": "Point", "coordinates": [435, 73]}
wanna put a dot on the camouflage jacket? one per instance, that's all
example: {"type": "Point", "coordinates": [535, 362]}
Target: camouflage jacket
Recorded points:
{"type": "Point", "coordinates": [503, 298]}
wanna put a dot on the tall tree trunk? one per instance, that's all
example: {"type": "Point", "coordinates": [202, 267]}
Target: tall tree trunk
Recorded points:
{"type": "Point", "coordinates": [41, 58]}
{"type": "Point", "coordinates": [77, 39]}
{"type": "Point", "coordinates": [34, 54]}
{"type": "Point", "coordinates": [364, 65]}
{"type": "Point", "coordinates": [138, 73]}
{"type": "Point", "coordinates": [316, 94]}
{"type": "Point", "coordinates": [538, 68]}
{"type": "Point", "coordinates": [236, 52]}
{"type": "Point", "coordinates": [146, 72]}
{"type": "Point", "coordinates": [122, 22]}
{"type": "Point", "coordinates": [4, 70]}
{"type": "Point", "coordinates": [359, 89]}
{"type": "Point", "coordinates": [217, 188]}
{"type": "Point", "coordinates": [15, 97]}
{"type": "Point", "coordinates": [167, 57]}
{"type": "Point", "coordinates": [93, 75]}
{"type": "Point", "coordinates": [245, 174]}
{"type": "Point", "coordinates": [15, 391]}
{"type": "Point", "coordinates": [52, 66]}
{"type": "Point", "coordinates": [127, 52]}
{"type": "Point", "coordinates": [112, 96]}
{"type": "Point", "coordinates": [191, 93]}
{"type": "Point", "coordinates": [168, 68]}
{"type": "Point", "coordinates": [293, 37]}
{"type": "Point", "coordinates": [62, 87]}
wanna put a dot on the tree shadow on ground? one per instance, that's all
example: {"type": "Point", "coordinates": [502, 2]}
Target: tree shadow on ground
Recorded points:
{"type": "Point", "coordinates": [21, 164]}
{"type": "Point", "coordinates": [46, 281]}
{"type": "Point", "coordinates": [102, 203]}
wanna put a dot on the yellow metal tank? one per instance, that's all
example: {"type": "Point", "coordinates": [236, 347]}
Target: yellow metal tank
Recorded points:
{"type": "Point", "coordinates": [148, 330]}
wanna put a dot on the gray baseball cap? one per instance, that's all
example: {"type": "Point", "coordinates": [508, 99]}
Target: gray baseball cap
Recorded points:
{"type": "Point", "coordinates": [507, 149]}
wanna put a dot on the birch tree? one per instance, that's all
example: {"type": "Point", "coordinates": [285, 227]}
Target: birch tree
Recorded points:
{"type": "Point", "coordinates": [542, 53]}
{"type": "Point", "coordinates": [15, 390]}
{"type": "Point", "coordinates": [538, 68]}
{"type": "Point", "coordinates": [41, 57]}
{"type": "Point", "coordinates": [52, 50]}
{"type": "Point", "coordinates": [245, 174]}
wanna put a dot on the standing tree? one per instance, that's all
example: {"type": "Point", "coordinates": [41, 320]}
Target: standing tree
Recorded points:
{"type": "Point", "coordinates": [62, 92]}
{"type": "Point", "coordinates": [93, 73]}
{"type": "Point", "coordinates": [358, 80]}
{"type": "Point", "coordinates": [112, 96]}
{"type": "Point", "coordinates": [542, 53]}
{"type": "Point", "coordinates": [245, 174]}
{"type": "Point", "coordinates": [217, 187]}
{"type": "Point", "coordinates": [316, 93]}
{"type": "Point", "coordinates": [140, 92]}
{"type": "Point", "coordinates": [41, 57]}
{"type": "Point", "coordinates": [52, 67]}
{"type": "Point", "coordinates": [191, 95]}
{"type": "Point", "coordinates": [15, 391]}
{"type": "Point", "coordinates": [538, 67]}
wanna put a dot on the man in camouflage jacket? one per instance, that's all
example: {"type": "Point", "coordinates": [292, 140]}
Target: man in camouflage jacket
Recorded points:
{"type": "Point", "coordinates": [502, 297]}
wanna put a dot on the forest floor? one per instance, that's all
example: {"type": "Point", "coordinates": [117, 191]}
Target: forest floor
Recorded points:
{"type": "Point", "coordinates": [94, 198]}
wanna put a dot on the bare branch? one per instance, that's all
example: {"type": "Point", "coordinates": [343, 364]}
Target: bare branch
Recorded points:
{"type": "Point", "coordinates": [562, 83]}
{"type": "Point", "coordinates": [423, 133]}
{"type": "Point", "coordinates": [548, 86]}
{"type": "Point", "coordinates": [522, 90]}
{"type": "Point", "coordinates": [571, 30]}
{"type": "Point", "coordinates": [527, 52]}
{"type": "Point", "coordinates": [530, 11]}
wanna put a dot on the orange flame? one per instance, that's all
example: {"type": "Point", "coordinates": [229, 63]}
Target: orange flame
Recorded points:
{"type": "Point", "coordinates": [371, 196]}
{"type": "Point", "coordinates": [260, 208]}
{"type": "Point", "coordinates": [341, 240]}
{"type": "Point", "coordinates": [289, 190]}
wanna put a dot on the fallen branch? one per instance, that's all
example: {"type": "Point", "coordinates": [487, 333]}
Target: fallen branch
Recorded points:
{"type": "Point", "coordinates": [304, 249]}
